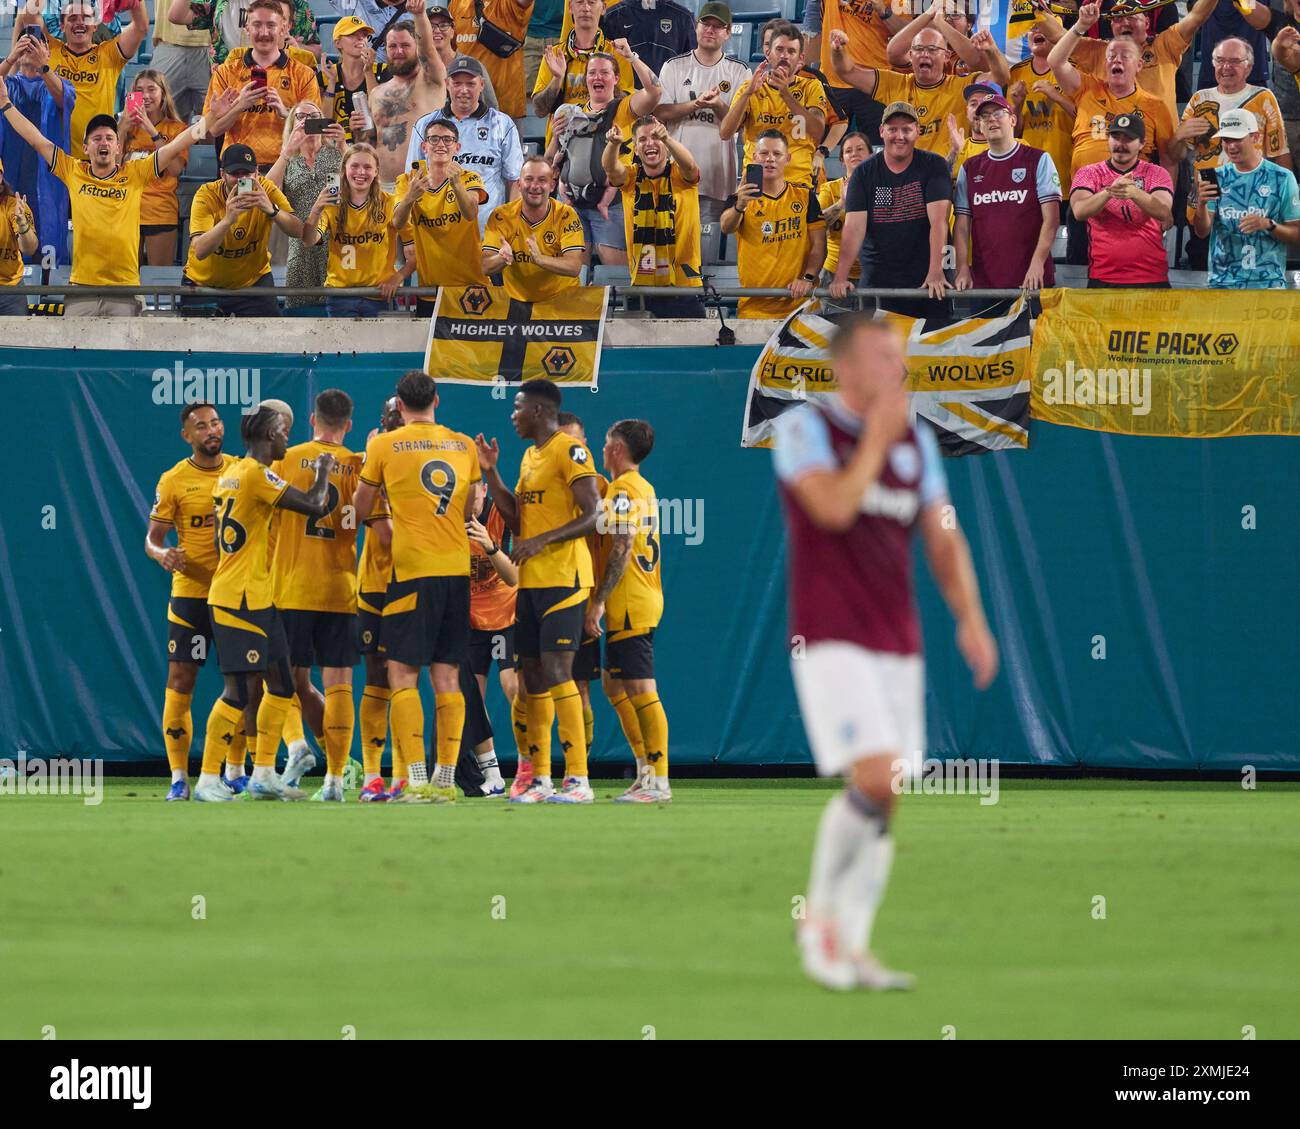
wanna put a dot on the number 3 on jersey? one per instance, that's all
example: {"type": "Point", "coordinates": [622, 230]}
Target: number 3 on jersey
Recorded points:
{"type": "Point", "coordinates": [439, 478]}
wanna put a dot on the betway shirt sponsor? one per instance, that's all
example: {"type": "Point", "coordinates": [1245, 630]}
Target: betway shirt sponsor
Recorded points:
{"type": "Point", "coordinates": [1257, 260]}
{"type": "Point", "coordinates": [1004, 197]}
{"type": "Point", "coordinates": [683, 80]}
{"type": "Point", "coordinates": [856, 585]}
{"type": "Point", "coordinates": [489, 146]}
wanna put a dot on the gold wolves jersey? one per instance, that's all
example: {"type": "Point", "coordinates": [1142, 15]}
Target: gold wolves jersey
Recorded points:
{"type": "Point", "coordinates": [447, 246]}
{"type": "Point", "coordinates": [596, 541]}
{"type": "Point", "coordinates": [772, 246]}
{"type": "Point", "coordinates": [93, 75]}
{"type": "Point", "coordinates": [315, 562]}
{"type": "Point", "coordinates": [183, 500]}
{"type": "Point", "coordinates": [362, 250]}
{"type": "Point", "coordinates": [638, 598]}
{"type": "Point", "coordinates": [105, 219]}
{"type": "Point", "coordinates": [767, 110]}
{"type": "Point", "coordinates": [376, 558]}
{"type": "Point", "coordinates": [546, 502]}
{"type": "Point", "coordinates": [245, 497]}
{"type": "Point", "coordinates": [558, 231]}
{"type": "Point", "coordinates": [426, 470]}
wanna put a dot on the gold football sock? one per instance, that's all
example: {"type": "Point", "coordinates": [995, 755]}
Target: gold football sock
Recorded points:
{"type": "Point", "coordinates": [654, 730]}
{"type": "Point", "coordinates": [223, 723]}
{"type": "Point", "coordinates": [541, 712]}
{"type": "Point", "coordinates": [519, 725]}
{"type": "Point", "coordinates": [588, 724]}
{"type": "Point", "coordinates": [406, 718]}
{"type": "Point", "coordinates": [568, 715]}
{"type": "Point", "coordinates": [292, 730]}
{"type": "Point", "coordinates": [374, 727]}
{"type": "Point", "coordinates": [238, 751]}
{"type": "Point", "coordinates": [451, 726]}
{"type": "Point", "coordinates": [340, 719]}
{"type": "Point", "coordinates": [177, 729]}
{"type": "Point", "coordinates": [270, 721]}
{"type": "Point", "coordinates": [631, 727]}
{"type": "Point", "coordinates": [250, 743]}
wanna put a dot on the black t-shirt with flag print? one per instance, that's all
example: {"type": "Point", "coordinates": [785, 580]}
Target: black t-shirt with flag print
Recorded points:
{"type": "Point", "coordinates": [896, 250]}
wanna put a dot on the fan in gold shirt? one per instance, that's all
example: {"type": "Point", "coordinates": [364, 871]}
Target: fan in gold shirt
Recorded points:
{"type": "Point", "coordinates": [247, 630]}
{"type": "Point", "coordinates": [552, 509]}
{"type": "Point", "coordinates": [230, 236]}
{"type": "Point", "coordinates": [630, 596]}
{"type": "Point", "coordinates": [183, 503]}
{"type": "Point", "coordinates": [535, 244]}
{"type": "Point", "coordinates": [105, 196]}
{"type": "Point", "coordinates": [437, 212]}
{"type": "Point", "coordinates": [425, 470]}
{"type": "Point", "coordinates": [361, 235]}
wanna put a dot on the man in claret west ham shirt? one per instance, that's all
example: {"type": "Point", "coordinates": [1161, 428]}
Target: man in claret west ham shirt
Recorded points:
{"type": "Point", "coordinates": [855, 477]}
{"type": "Point", "coordinates": [1008, 201]}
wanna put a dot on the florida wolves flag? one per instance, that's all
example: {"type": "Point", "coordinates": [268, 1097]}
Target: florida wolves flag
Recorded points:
{"type": "Point", "coordinates": [970, 378]}
{"type": "Point", "coordinates": [480, 335]}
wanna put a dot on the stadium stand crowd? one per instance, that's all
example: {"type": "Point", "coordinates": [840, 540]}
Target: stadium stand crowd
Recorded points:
{"type": "Point", "coordinates": [236, 145]}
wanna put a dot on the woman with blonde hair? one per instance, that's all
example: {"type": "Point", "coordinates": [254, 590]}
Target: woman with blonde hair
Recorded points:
{"type": "Point", "coordinates": [143, 128]}
{"type": "Point", "coordinates": [357, 225]}
{"type": "Point", "coordinates": [306, 163]}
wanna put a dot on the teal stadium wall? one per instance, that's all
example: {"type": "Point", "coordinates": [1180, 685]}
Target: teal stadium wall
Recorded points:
{"type": "Point", "coordinates": [1136, 541]}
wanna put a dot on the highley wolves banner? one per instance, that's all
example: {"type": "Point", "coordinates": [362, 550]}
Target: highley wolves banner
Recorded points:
{"type": "Point", "coordinates": [969, 378]}
{"type": "Point", "coordinates": [1160, 362]}
{"type": "Point", "coordinates": [480, 335]}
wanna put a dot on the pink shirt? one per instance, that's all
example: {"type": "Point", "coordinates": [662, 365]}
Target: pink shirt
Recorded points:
{"type": "Point", "coordinates": [1125, 244]}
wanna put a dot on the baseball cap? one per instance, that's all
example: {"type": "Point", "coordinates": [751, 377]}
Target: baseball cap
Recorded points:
{"type": "Point", "coordinates": [991, 88]}
{"type": "Point", "coordinates": [437, 13]}
{"type": "Point", "coordinates": [98, 122]}
{"type": "Point", "coordinates": [463, 64]}
{"type": "Point", "coordinates": [238, 159]}
{"type": "Point", "coordinates": [1236, 124]}
{"type": "Point", "coordinates": [896, 108]}
{"type": "Point", "coordinates": [994, 100]}
{"type": "Point", "coordinates": [714, 10]}
{"type": "Point", "coordinates": [350, 25]}
{"type": "Point", "coordinates": [1129, 125]}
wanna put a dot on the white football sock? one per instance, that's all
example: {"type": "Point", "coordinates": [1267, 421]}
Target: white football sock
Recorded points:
{"type": "Point", "coordinates": [861, 884]}
{"type": "Point", "coordinates": [444, 775]}
{"type": "Point", "coordinates": [417, 772]}
{"type": "Point", "coordinates": [487, 764]}
{"type": "Point", "coordinates": [209, 778]}
{"type": "Point", "coordinates": [178, 774]}
{"type": "Point", "coordinates": [234, 771]}
{"type": "Point", "coordinates": [333, 781]}
{"type": "Point", "coordinates": [544, 781]}
{"type": "Point", "coordinates": [838, 836]}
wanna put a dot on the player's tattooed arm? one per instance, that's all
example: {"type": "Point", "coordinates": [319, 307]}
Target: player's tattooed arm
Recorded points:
{"type": "Point", "coordinates": [314, 502]}
{"type": "Point", "coordinates": [619, 554]}
{"type": "Point", "coordinates": [170, 557]}
{"type": "Point", "coordinates": [587, 498]}
{"type": "Point", "coordinates": [502, 496]}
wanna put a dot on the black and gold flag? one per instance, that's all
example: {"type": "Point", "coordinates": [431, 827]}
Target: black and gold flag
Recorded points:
{"type": "Point", "coordinates": [480, 335]}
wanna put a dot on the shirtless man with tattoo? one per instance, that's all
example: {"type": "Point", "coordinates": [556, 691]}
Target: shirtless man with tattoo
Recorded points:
{"type": "Point", "coordinates": [417, 85]}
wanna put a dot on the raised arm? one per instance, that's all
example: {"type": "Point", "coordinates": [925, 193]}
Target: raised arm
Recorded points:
{"type": "Point", "coordinates": [43, 146]}
{"type": "Point", "coordinates": [489, 454]}
{"type": "Point", "coordinates": [616, 172]}
{"type": "Point", "coordinates": [314, 502]}
{"type": "Point", "coordinates": [433, 71]}
{"type": "Point", "coordinates": [864, 78]}
{"type": "Point", "coordinates": [135, 32]}
{"type": "Point", "coordinates": [901, 41]}
{"type": "Point", "coordinates": [1066, 74]}
{"type": "Point", "coordinates": [1258, 17]}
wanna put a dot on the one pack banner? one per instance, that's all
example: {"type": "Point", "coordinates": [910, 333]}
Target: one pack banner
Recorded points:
{"type": "Point", "coordinates": [1197, 363]}
{"type": "Point", "coordinates": [969, 377]}
{"type": "Point", "coordinates": [480, 335]}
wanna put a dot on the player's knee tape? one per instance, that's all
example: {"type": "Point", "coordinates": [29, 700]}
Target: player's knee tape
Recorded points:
{"type": "Point", "coordinates": [868, 808]}
{"type": "Point", "coordinates": [236, 692]}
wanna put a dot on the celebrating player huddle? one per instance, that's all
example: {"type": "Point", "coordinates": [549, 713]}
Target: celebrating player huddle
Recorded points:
{"type": "Point", "coordinates": [265, 566]}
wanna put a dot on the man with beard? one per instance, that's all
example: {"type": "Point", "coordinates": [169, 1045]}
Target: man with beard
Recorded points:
{"type": "Point", "coordinates": [92, 68]}
{"type": "Point", "coordinates": [779, 97]}
{"type": "Point", "coordinates": [183, 502]}
{"type": "Point", "coordinates": [416, 85]}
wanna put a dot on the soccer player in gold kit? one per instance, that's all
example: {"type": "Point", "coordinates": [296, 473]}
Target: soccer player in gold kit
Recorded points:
{"type": "Point", "coordinates": [552, 510]}
{"type": "Point", "coordinates": [183, 502]}
{"type": "Point", "coordinates": [248, 632]}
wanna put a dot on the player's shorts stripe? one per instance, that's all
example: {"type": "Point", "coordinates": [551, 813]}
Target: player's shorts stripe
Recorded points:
{"type": "Point", "coordinates": [631, 633]}
{"type": "Point", "coordinates": [362, 606]}
{"type": "Point", "coordinates": [567, 602]}
{"type": "Point", "coordinates": [223, 617]}
{"type": "Point", "coordinates": [172, 617]}
{"type": "Point", "coordinates": [402, 604]}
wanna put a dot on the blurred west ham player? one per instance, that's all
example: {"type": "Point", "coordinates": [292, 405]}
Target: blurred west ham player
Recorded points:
{"type": "Point", "coordinates": [855, 476]}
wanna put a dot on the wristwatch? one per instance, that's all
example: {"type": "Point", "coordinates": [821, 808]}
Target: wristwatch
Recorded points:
{"type": "Point", "coordinates": [1272, 225]}
{"type": "Point", "coordinates": [492, 552]}
{"type": "Point", "coordinates": [823, 150]}
{"type": "Point", "coordinates": [809, 277]}
{"type": "Point", "coordinates": [275, 211]}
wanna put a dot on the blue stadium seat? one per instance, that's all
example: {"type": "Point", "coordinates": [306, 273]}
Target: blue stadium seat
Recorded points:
{"type": "Point", "coordinates": [759, 11]}
{"type": "Point", "coordinates": [602, 275]}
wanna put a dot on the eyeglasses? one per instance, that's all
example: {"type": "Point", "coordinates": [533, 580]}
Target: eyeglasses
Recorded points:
{"type": "Point", "coordinates": [442, 141]}
{"type": "Point", "coordinates": [1229, 62]}
{"type": "Point", "coordinates": [924, 50]}
{"type": "Point", "coordinates": [306, 116]}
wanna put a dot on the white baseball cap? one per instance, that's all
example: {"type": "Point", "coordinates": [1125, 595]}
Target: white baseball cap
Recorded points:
{"type": "Point", "coordinates": [1237, 124]}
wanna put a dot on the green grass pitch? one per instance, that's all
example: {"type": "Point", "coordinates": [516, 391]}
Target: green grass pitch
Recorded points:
{"type": "Point", "coordinates": [630, 922]}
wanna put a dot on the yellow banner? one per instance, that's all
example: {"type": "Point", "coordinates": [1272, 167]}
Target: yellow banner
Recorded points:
{"type": "Point", "coordinates": [1197, 363]}
{"type": "Point", "coordinates": [480, 335]}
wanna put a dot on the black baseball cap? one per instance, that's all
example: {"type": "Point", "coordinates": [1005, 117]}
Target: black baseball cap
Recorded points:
{"type": "Point", "coordinates": [238, 159]}
{"type": "Point", "coordinates": [99, 121]}
{"type": "Point", "coordinates": [714, 10]}
{"type": "Point", "coordinates": [467, 64]}
{"type": "Point", "coordinates": [1129, 125]}
{"type": "Point", "coordinates": [440, 13]}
